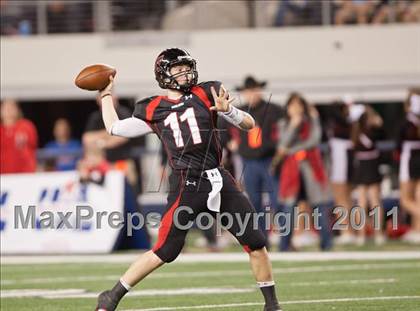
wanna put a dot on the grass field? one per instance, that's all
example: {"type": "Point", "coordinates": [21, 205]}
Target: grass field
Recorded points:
{"type": "Point", "coordinates": [321, 285]}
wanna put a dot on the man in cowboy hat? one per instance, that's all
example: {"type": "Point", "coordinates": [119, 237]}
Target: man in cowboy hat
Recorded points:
{"type": "Point", "coordinates": [257, 146]}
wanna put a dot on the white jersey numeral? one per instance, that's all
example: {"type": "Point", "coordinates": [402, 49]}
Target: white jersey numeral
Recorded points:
{"type": "Point", "coordinates": [189, 116]}
{"type": "Point", "coordinates": [172, 121]}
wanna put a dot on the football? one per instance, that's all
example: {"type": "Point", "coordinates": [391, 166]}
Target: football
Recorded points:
{"type": "Point", "coordinates": [94, 77]}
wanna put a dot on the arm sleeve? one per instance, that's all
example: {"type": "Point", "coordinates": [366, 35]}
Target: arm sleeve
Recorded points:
{"type": "Point", "coordinates": [130, 127]}
{"type": "Point", "coordinates": [312, 141]}
{"type": "Point", "coordinates": [287, 134]}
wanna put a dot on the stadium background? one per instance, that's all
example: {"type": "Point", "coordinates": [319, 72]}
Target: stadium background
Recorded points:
{"type": "Point", "coordinates": [293, 45]}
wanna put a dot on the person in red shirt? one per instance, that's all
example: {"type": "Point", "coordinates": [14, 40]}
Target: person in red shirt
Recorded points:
{"type": "Point", "coordinates": [19, 140]}
{"type": "Point", "coordinates": [93, 166]}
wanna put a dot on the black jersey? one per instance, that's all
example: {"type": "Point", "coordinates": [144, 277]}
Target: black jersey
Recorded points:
{"type": "Point", "coordinates": [339, 124]}
{"type": "Point", "coordinates": [186, 127]}
{"type": "Point", "coordinates": [366, 141]}
{"type": "Point", "coordinates": [261, 141]}
{"type": "Point", "coordinates": [410, 130]}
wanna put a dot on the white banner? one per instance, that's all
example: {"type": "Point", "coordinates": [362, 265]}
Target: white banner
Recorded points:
{"type": "Point", "coordinates": [41, 213]}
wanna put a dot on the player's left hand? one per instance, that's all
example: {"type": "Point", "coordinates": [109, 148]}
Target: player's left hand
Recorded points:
{"type": "Point", "coordinates": [221, 102]}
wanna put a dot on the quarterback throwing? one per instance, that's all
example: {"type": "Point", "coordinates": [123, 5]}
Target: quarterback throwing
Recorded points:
{"type": "Point", "coordinates": [185, 119]}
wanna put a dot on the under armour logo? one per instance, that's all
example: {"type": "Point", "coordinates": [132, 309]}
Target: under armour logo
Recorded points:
{"type": "Point", "coordinates": [177, 105]}
{"type": "Point", "coordinates": [187, 183]}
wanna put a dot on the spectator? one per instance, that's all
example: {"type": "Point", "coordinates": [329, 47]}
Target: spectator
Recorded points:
{"type": "Point", "coordinates": [302, 176]}
{"type": "Point", "coordinates": [257, 146]}
{"type": "Point", "coordinates": [64, 148]}
{"type": "Point", "coordinates": [298, 12]}
{"type": "Point", "coordinates": [402, 11]}
{"type": "Point", "coordinates": [96, 135]}
{"type": "Point", "coordinates": [349, 11]}
{"type": "Point", "coordinates": [366, 176]}
{"type": "Point", "coordinates": [135, 15]}
{"type": "Point", "coordinates": [410, 11]}
{"type": "Point", "coordinates": [69, 16]}
{"type": "Point", "coordinates": [376, 11]}
{"type": "Point", "coordinates": [10, 16]}
{"type": "Point", "coordinates": [384, 12]}
{"type": "Point", "coordinates": [410, 165]}
{"type": "Point", "coordinates": [339, 132]}
{"type": "Point", "coordinates": [93, 166]}
{"type": "Point", "coordinates": [117, 149]}
{"type": "Point", "coordinates": [92, 169]}
{"type": "Point", "coordinates": [19, 140]}
{"type": "Point", "coordinates": [17, 18]}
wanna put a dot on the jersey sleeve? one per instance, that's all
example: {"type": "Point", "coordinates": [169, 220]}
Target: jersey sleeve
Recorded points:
{"type": "Point", "coordinates": [144, 109]}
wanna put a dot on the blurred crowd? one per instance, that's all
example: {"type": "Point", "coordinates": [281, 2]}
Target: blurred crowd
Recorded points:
{"type": "Point", "coordinates": [281, 162]}
{"type": "Point", "coordinates": [282, 157]}
{"type": "Point", "coordinates": [93, 155]}
{"type": "Point", "coordinates": [58, 16]}
{"type": "Point", "coordinates": [376, 11]}
{"type": "Point", "coordinates": [341, 12]}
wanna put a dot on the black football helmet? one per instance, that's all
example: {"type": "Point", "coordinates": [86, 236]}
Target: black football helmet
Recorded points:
{"type": "Point", "coordinates": [169, 58]}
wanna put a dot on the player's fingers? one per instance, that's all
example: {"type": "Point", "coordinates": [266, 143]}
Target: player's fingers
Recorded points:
{"type": "Point", "coordinates": [213, 108]}
{"type": "Point", "coordinates": [226, 94]}
{"type": "Point", "coordinates": [221, 91]}
{"type": "Point", "coordinates": [213, 92]}
{"type": "Point", "coordinates": [231, 100]}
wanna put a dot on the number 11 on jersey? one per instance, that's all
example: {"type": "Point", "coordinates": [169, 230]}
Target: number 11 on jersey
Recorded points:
{"type": "Point", "coordinates": [189, 116]}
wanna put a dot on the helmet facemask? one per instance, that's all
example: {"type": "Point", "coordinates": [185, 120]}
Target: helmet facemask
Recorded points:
{"type": "Point", "coordinates": [191, 75]}
{"type": "Point", "coordinates": [168, 81]}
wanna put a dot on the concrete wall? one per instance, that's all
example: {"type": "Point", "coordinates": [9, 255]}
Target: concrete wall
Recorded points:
{"type": "Point", "coordinates": [371, 62]}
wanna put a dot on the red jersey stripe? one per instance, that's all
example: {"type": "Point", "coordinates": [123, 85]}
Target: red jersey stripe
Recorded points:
{"type": "Point", "coordinates": [150, 109]}
{"type": "Point", "coordinates": [166, 223]}
{"type": "Point", "coordinates": [200, 93]}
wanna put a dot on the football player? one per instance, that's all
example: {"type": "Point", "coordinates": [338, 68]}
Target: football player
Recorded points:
{"type": "Point", "coordinates": [185, 121]}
